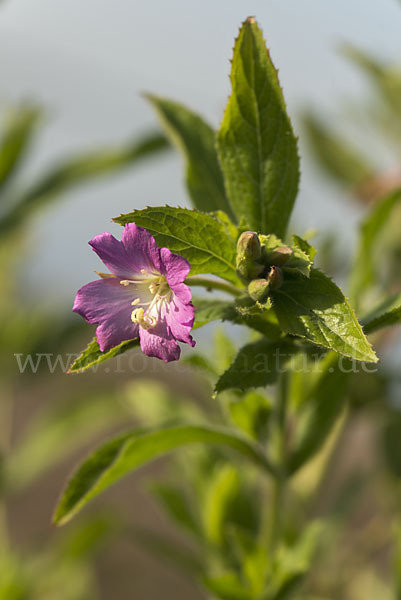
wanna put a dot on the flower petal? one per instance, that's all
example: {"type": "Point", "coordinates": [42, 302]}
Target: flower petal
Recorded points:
{"type": "Point", "coordinates": [176, 267]}
{"type": "Point", "coordinates": [142, 249]}
{"type": "Point", "coordinates": [108, 304]}
{"type": "Point", "coordinates": [158, 342]}
{"type": "Point", "coordinates": [180, 319]}
{"type": "Point", "coordinates": [113, 254]}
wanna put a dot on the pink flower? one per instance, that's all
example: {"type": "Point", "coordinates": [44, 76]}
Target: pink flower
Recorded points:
{"type": "Point", "coordinates": [144, 296]}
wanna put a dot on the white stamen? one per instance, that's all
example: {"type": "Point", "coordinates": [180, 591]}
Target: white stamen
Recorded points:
{"type": "Point", "coordinates": [136, 301]}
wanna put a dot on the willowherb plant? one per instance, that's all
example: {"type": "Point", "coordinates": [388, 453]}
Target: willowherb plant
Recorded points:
{"type": "Point", "coordinates": [306, 341]}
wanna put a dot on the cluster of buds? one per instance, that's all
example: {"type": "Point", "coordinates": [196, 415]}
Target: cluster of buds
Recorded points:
{"type": "Point", "coordinates": [258, 267]}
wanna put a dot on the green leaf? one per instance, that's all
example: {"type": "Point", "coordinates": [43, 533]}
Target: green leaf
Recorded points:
{"type": "Point", "coordinates": [132, 450]}
{"type": "Point", "coordinates": [324, 405]}
{"type": "Point", "coordinates": [199, 237]}
{"type": "Point", "coordinates": [196, 141]}
{"type": "Point", "coordinates": [93, 356]}
{"type": "Point", "coordinates": [257, 364]}
{"type": "Point", "coordinates": [317, 310]}
{"type": "Point", "coordinates": [336, 155]}
{"type": "Point", "coordinates": [386, 78]}
{"type": "Point", "coordinates": [256, 145]}
{"type": "Point", "coordinates": [386, 314]}
{"type": "Point", "coordinates": [72, 172]}
{"type": "Point", "coordinates": [251, 413]}
{"type": "Point", "coordinates": [222, 489]}
{"type": "Point", "coordinates": [364, 271]}
{"type": "Point", "coordinates": [176, 506]}
{"type": "Point", "coordinates": [15, 140]}
{"type": "Point", "coordinates": [228, 587]}
{"type": "Point", "coordinates": [239, 313]}
{"type": "Point", "coordinates": [54, 435]}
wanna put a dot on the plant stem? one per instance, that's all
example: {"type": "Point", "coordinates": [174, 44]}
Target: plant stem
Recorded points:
{"type": "Point", "coordinates": [213, 284]}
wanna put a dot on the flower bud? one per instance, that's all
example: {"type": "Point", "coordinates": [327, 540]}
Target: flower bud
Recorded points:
{"type": "Point", "coordinates": [275, 278]}
{"type": "Point", "coordinates": [259, 289]}
{"type": "Point", "coordinates": [249, 252]}
{"type": "Point", "coordinates": [279, 256]}
{"type": "Point", "coordinates": [248, 245]}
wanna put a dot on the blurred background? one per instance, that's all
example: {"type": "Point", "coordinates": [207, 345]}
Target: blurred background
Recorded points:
{"type": "Point", "coordinates": [74, 74]}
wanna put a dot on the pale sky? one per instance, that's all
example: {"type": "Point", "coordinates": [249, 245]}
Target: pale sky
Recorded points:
{"type": "Point", "coordinates": [87, 63]}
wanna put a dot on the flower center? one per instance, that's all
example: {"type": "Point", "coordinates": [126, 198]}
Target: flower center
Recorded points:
{"type": "Point", "coordinates": [148, 316]}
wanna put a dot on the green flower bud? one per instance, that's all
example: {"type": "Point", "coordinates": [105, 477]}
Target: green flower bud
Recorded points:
{"type": "Point", "coordinates": [249, 252]}
{"type": "Point", "coordinates": [279, 256]}
{"type": "Point", "coordinates": [275, 278]}
{"type": "Point", "coordinates": [248, 246]}
{"type": "Point", "coordinates": [259, 289]}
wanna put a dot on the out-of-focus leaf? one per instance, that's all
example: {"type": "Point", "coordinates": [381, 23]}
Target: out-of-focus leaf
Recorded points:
{"type": "Point", "coordinates": [93, 356]}
{"type": "Point", "coordinates": [364, 269]}
{"type": "Point", "coordinates": [335, 154]}
{"type": "Point", "coordinates": [324, 406]}
{"type": "Point", "coordinates": [202, 238]}
{"type": "Point", "coordinates": [228, 587]}
{"type": "Point", "coordinates": [222, 489]}
{"type": "Point", "coordinates": [132, 450]}
{"type": "Point", "coordinates": [196, 141]}
{"type": "Point", "coordinates": [55, 435]}
{"type": "Point", "coordinates": [169, 551]}
{"type": "Point", "coordinates": [386, 79]}
{"type": "Point", "coordinates": [177, 506]}
{"type": "Point", "coordinates": [15, 140]}
{"type": "Point", "coordinates": [251, 413]}
{"type": "Point", "coordinates": [256, 364]}
{"type": "Point", "coordinates": [256, 144]}
{"type": "Point", "coordinates": [386, 314]}
{"type": "Point", "coordinates": [317, 310]}
{"type": "Point", "coordinates": [70, 173]}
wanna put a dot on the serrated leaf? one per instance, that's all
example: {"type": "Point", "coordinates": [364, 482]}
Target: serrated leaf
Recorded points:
{"type": "Point", "coordinates": [93, 356]}
{"type": "Point", "coordinates": [239, 313]}
{"type": "Point", "coordinates": [386, 314]}
{"type": "Point", "coordinates": [126, 453]}
{"type": "Point", "coordinates": [78, 170]}
{"type": "Point", "coordinates": [257, 364]}
{"type": "Point", "coordinates": [317, 310]}
{"type": "Point", "coordinates": [196, 141]}
{"type": "Point", "coordinates": [15, 139]}
{"type": "Point", "coordinates": [363, 273]}
{"type": "Point", "coordinates": [199, 237]}
{"type": "Point", "coordinates": [323, 407]}
{"type": "Point", "coordinates": [256, 145]}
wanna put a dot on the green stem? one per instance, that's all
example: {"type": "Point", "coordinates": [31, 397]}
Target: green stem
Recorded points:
{"type": "Point", "coordinates": [214, 284]}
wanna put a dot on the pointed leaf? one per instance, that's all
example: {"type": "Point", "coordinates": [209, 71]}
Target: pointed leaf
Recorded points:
{"type": "Point", "coordinates": [317, 310]}
{"type": "Point", "coordinates": [256, 145]}
{"type": "Point", "coordinates": [201, 238]}
{"type": "Point", "coordinates": [93, 356]}
{"type": "Point", "coordinates": [385, 315]}
{"type": "Point", "coordinates": [257, 364]}
{"type": "Point", "coordinates": [118, 457]}
{"type": "Point", "coordinates": [196, 141]}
